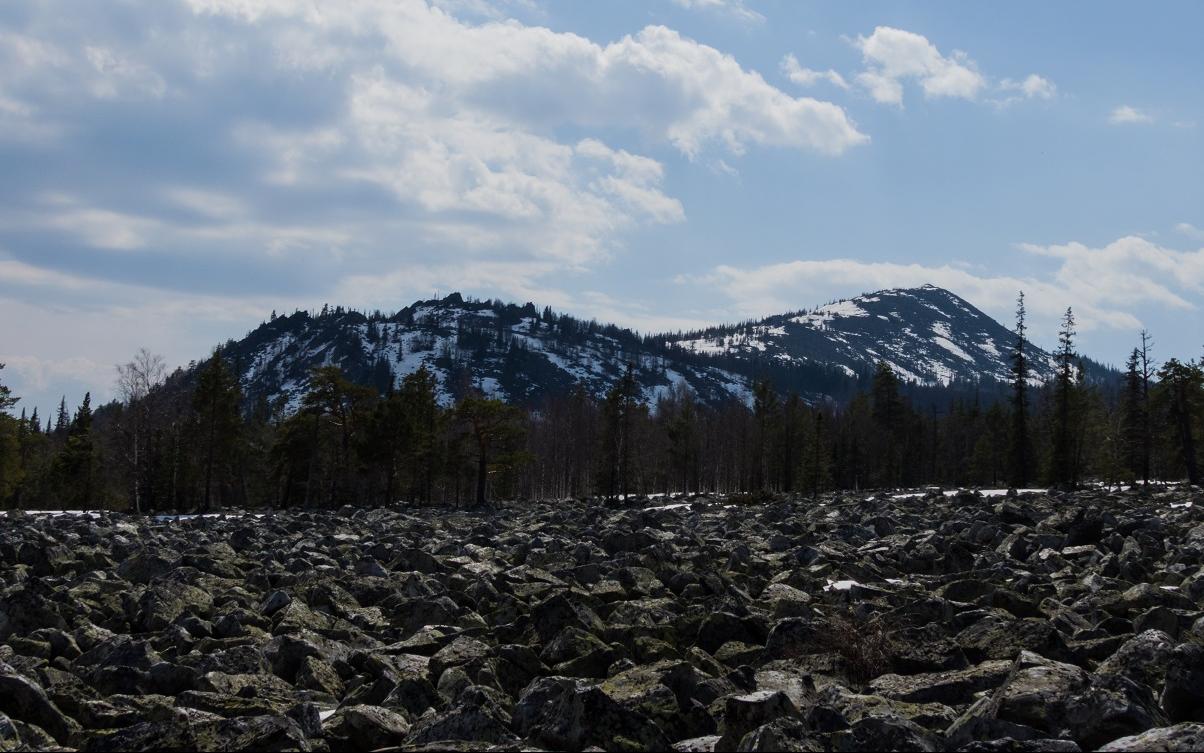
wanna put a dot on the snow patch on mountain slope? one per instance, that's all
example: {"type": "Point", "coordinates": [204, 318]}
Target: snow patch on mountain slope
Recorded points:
{"type": "Point", "coordinates": [824, 314]}
{"type": "Point", "coordinates": [942, 335]}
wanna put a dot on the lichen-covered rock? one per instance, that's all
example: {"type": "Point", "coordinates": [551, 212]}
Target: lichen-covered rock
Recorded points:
{"type": "Point", "coordinates": [930, 621]}
{"type": "Point", "coordinates": [1181, 737]}
{"type": "Point", "coordinates": [24, 700]}
{"type": "Point", "coordinates": [744, 713]}
{"type": "Point", "coordinates": [566, 713]}
{"type": "Point", "coordinates": [372, 727]}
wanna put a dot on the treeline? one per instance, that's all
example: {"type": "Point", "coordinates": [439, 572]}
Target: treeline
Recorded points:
{"type": "Point", "coordinates": [193, 444]}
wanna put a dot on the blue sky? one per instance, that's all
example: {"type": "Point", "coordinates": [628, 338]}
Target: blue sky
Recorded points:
{"type": "Point", "coordinates": [171, 171]}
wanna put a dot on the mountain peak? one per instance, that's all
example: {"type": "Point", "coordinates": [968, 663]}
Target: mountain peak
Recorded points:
{"type": "Point", "coordinates": [927, 335]}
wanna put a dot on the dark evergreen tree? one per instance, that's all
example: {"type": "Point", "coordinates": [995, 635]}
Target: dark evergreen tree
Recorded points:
{"type": "Point", "coordinates": [1134, 421]}
{"type": "Point", "coordinates": [680, 415]}
{"type": "Point", "coordinates": [767, 414]}
{"type": "Point", "coordinates": [423, 424]}
{"type": "Point", "coordinates": [218, 429]}
{"type": "Point", "coordinates": [496, 430]}
{"type": "Point", "coordinates": [7, 401]}
{"type": "Point", "coordinates": [1180, 386]}
{"type": "Point", "coordinates": [888, 414]}
{"type": "Point", "coordinates": [12, 439]}
{"type": "Point", "coordinates": [1020, 467]}
{"type": "Point", "coordinates": [618, 420]}
{"type": "Point", "coordinates": [1063, 469]}
{"type": "Point", "coordinates": [816, 467]}
{"type": "Point", "coordinates": [63, 422]}
{"type": "Point", "coordinates": [76, 467]}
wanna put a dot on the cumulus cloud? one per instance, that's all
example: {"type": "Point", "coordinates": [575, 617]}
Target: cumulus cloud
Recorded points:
{"type": "Point", "coordinates": [74, 328]}
{"type": "Point", "coordinates": [808, 77]}
{"type": "Point", "coordinates": [1104, 285]}
{"type": "Point", "coordinates": [1127, 115]}
{"type": "Point", "coordinates": [1031, 87]}
{"type": "Point", "coordinates": [1190, 230]}
{"type": "Point", "coordinates": [450, 128]}
{"type": "Point", "coordinates": [225, 156]}
{"type": "Point", "coordinates": [736, 8]}
{"type": "Point", "coordinates": [893, 57]}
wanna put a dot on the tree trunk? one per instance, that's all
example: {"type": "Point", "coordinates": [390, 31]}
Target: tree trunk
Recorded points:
{"type": "Point", "coordinates": [482, 476]}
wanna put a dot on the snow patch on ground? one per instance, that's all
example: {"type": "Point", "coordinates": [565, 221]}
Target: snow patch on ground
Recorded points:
{"type": "Point", "coordinates": [840, 585]}
{"type": "Point", "coordinates": [955, 492]}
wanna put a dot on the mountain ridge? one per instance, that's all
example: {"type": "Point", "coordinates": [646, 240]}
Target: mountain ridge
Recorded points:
{"type": "Point", "coordinates": [932, 338]}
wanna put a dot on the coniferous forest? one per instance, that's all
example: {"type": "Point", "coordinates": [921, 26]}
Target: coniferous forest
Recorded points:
{"type": "Point", "coordinates": [164, 446]}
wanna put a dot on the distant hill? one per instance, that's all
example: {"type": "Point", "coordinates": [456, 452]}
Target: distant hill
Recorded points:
{"type": "Point", "coordinates": [933, 339]}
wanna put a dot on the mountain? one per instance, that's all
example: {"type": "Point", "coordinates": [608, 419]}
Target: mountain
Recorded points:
{"type": "Point", "coordinates": [929, 336]}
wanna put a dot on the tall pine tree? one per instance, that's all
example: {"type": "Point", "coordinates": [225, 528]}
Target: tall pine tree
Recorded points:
{"type": "Point", "coordinates": [618, 423]}
{"type": "Point", "coordinates": [495, 429]}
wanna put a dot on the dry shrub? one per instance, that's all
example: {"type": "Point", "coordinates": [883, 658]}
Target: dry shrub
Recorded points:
{"type": "Point", "coordinates": [864, 646]}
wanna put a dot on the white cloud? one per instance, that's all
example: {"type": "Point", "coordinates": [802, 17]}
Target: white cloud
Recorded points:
{"type": "Point", "coordinates": [735, 8]}
{"type": "Point", "coordinates": [672, 87]}
{"type": "Point", "coordinates": [1190, 230]}
{"type": "Point", "coordinates": [75, 328]}
{"type": "Point", "coordinates": [1125, 115]}
{"type": "Point", "coordinates": [35, 373]}
{"type": "Point", "coordinates": [240, 155]}
{"type": "Point", "coordinates": [1036, 86]}
{"type": "Point", "coordinates": [459, 123]}
{"type": "Point", "coordinates": [1104, 285]}
{"type": "Point", "coordinates": [808, 77]}
{"type": "Point", "coordinates": [1032, 87]}
{"type": "Point", "coordinates": [894, 55]}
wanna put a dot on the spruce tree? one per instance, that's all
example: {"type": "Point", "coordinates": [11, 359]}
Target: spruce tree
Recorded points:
{"type": "Point", "coordinates": [1133, 418]}
{"type": "Point", "coordinates": [681, 429]}
{"type": "Point", "coordinates": [219, 425]}
{"type": "Point", "coordinates": [888, 416]}
{"type": "Point", "coordinates": [1020, 462]}
{"type": "Point", "coordinates": [63, 421]}
{"type": "Point", "coordinates": [1062, 466]}
{"type": "Point", "coordinates": [423, 423]}
{"type": "Point", "coordinates": [766, 410]}
{"type": "Point", "coordinates": [77, 461]}
{"type": "Point", "coordinates": [816, 461]}
{"type": "Point", "coordinates": [1181, 386]}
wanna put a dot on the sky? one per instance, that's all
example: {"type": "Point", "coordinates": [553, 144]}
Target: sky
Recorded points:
{"type": "Point", "coordinates": [172, 171]}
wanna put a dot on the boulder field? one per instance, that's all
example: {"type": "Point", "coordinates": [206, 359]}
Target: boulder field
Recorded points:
{"type": "Point", "coordinates": [930, 622]}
